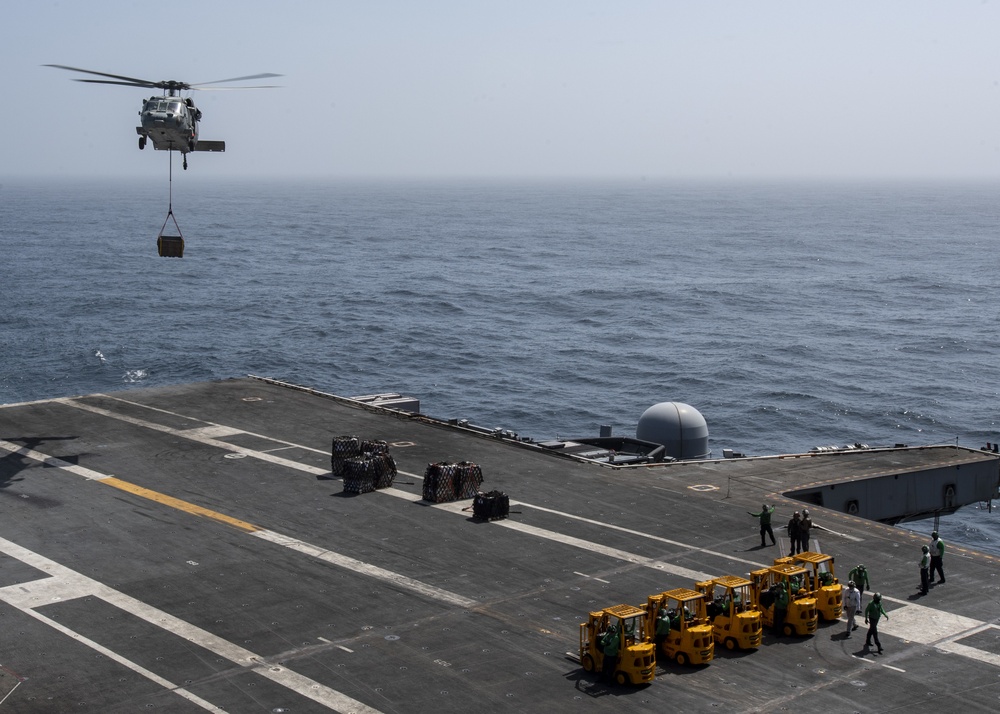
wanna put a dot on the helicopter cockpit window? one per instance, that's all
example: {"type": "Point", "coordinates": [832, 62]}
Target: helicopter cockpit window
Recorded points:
{"type": "Point", "coordinates": [175, 107]}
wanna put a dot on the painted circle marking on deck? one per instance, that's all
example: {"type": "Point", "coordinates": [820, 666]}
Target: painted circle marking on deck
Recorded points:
{"type": "Point", "coordinates": [235, 455]}
{"type": "Point", "coordinates": [703, 487]}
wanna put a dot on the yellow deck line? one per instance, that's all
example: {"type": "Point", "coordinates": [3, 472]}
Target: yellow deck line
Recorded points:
{"type": "Point", "coordinates": [178, 504]}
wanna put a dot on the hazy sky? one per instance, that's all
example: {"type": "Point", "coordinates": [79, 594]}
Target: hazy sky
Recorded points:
{"type": "Point", "coordinates": [748, 88]}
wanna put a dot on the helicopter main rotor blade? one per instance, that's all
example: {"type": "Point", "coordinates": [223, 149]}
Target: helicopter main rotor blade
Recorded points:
{"type": "Point", "coordinates": [234, 89]}
{"type": "Point", "coordinates": [239, 79]}
{"type": "Point", "coordinates": [132, 80]}
{"type": "Point", "coordinates": [108, 81]}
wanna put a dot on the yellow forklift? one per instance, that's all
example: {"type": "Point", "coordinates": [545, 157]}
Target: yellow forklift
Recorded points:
{"type": "Point", "coordinates": [688, 638]}
{"type": "Point", "coordinates": [733, 611]}
{"type": "Point", "coordinates": [823, 583]}
{"type": "Point", "coordinates": [785, 581]}
{"type": "Point", "coordinates": [636, 655]}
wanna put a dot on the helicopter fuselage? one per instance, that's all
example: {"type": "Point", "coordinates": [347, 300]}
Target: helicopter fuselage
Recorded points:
{"type": "Point", "coordinates": [171, 123]}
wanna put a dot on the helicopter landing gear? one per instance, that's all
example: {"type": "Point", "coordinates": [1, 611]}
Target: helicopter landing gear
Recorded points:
{"type": "Point", "coordinates": [142, 143]}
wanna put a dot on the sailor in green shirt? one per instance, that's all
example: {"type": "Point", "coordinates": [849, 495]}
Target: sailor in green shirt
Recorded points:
{"type": "Point", "coordinates": [662, 627]}
{"type": "Point", "coordinates": [612, 641]}
{"type": "Point", "coordinates": [780, 607]}
{"type": "Point", "coordinates": [860, 577]}
{"type": "Point", "coordinates": [872, 614]}
{"type": "Point", "coordinates": [765, 523]}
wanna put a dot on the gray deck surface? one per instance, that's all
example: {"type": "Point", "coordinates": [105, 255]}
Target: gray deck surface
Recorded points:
{"type": "Point", "coordinates": [219, 569]}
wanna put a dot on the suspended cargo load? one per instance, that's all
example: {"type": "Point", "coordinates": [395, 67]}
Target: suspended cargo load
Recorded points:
{"type": "Point", "coordinates": [169, 245]}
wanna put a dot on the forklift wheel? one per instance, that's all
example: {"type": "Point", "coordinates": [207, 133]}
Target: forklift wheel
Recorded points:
{"type": "Point", "coordinates": [788, 630]}
{"type": "Point", "coordinates": [730, 643]}
{"type": "Point", "coordinates": [588, 663]}
{"type": "Point", "coordinates": [621, 678]}
{"type": "Point", "coordinates": [682, 659]}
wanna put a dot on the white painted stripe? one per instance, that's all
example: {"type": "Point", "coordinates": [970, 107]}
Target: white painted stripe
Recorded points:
{"type": "Point", "coordinates": [137, 668]}
{"type": "Point", "coordinates": [66, 584]}
{"type": "Point", "coordinates": [329, 556]}
{"type": "Point", "coordinates": [193, 435]}
{"type": "Point", "coordinates": [215, 431]}
{"type": "Point", "coordinates": [926, 625]}
{"type": "Point", "coordinates": [234, 430]}
{"type": "Point", "coordinates": [641, 534]}
{"type": "Point", "coordinates": [359, 566]}
{"type": "Point", "coordinates": [970, 652]}
{"type": "Point", "coordinates": [50, 460]}
{"type": "Point", "coordinates": [604, 550]}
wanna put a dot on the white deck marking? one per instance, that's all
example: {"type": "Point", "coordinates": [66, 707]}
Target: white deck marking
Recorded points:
{"type": "Point", "coordinates": [194, 435]}
{"type": "Point", "coordinates": [604, 550]}
{"type": "Point", "coordinates": [359, 566]}
{"type": "Point", "coordinates": [328, 556]}
{"type": "Point", "coordinates": [66, 584]}
{"type": "Point", "coordinates": [137, 668]}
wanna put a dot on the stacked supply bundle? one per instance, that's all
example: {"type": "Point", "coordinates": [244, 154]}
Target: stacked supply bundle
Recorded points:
{"type": "Point", "coordinates": [364, 465]}
{"type": "Point", "coordinates": [382, 462]}
{"type": "Point", "coordinates": [359, 477]}
{"type": "Point", "coordinates": [344, 448]}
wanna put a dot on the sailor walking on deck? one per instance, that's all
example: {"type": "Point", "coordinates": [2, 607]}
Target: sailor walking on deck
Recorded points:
{"type": "Point", "coordinates": [860, 577]}
{"type": "Point", "coordinates": [872, 614]}
{"type": "Point", "coordinates": [765, 523]}
{"type": "Point", "coordinates": [852, 603]}
{"type": "Point", "coordinates": [937, 557]}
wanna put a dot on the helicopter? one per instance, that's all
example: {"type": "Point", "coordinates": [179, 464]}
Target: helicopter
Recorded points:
{"type": "Point", "coordinates": [170, 121]}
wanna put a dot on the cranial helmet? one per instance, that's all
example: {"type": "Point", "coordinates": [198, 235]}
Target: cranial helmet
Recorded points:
{"type": "Point", "coordinates": [933, 534]}
{"type": "Point", "coordinates": [850, 583]}
{"type": "Point", "coordinates": [877, 596]}
{"type": "Point", "coordinates": [926, 549]}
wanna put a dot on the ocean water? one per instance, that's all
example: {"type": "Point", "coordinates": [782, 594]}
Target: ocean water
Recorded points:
{"type": "Point", "coordinates": [790, 315]}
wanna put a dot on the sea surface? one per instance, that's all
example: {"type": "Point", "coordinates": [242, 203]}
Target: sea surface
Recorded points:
{"type": "Point", "coordinates": [791, 315]}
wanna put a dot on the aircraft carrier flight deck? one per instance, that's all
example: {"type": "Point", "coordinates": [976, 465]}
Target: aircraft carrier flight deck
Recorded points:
{"type": "Point", "coordinates": [187, 549]}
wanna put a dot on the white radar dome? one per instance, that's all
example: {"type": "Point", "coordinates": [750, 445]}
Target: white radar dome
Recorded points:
{"type": "Point", "coordinates": [679, 427]}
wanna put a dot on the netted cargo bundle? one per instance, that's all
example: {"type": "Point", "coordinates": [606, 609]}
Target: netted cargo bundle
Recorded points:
{"type": "Point", "coordinates": [384, 468]}
{"type": "Point", "coordinates": [372, 446]}
{"type": "Point", "coordinates": [468, 479]}
{"type": "Point", "coordinates": [359, 475]}
{"type": "Point", "coordinates": [344, 448]}
{"type": "Point", "coordinates": [491, 506]}
{"type": "Point", "coordinates": [439, 483]}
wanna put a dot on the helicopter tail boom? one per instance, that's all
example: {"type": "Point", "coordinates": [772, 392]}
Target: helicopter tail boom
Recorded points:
{"type": "Point", "coordinates": [204, 145]}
